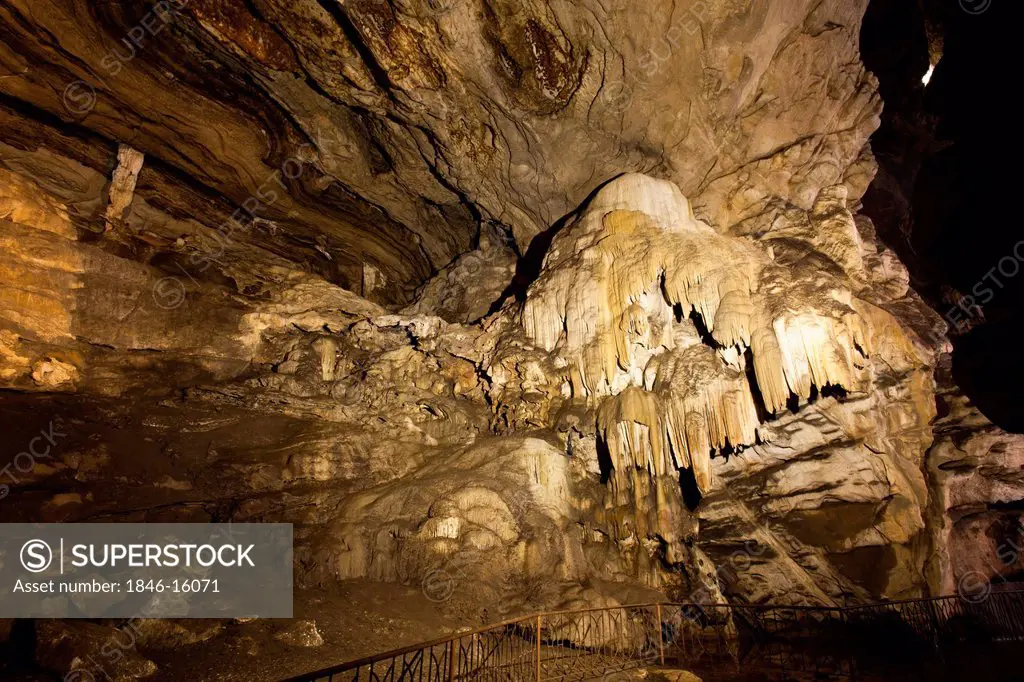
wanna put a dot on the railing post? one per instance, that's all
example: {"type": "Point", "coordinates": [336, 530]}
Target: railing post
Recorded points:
{"type": "Point", "coordinates": [538, 646]}
{"type": "Point", "coordinates": [451, 660]}
{"type": "Point", "coordinates": [661, 639]}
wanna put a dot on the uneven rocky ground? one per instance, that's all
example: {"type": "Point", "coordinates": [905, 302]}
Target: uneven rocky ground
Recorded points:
{"type": "Point", "coordinates": [506, 306]}
{"type": "Point", "coordinates": [330, 626]}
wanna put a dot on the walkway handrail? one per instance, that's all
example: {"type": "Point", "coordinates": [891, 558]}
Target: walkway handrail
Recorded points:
{"type": "Point", "coordinates": [530, 619]}
{"type": "Point", "coordinates": [636, 620]}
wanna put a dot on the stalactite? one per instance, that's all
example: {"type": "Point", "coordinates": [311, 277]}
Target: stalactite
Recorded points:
{"type": "Point", "coordinates": [613, 303]}
{"type": "Point", "coordinates": [122, 184]}
{"type": "Point", "coordinates": [693, 404]}
{"type": "Point", "coordinates": [605, 297]}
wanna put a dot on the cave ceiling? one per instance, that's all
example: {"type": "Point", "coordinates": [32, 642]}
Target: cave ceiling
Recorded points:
{"type": "Point", "coordinates": [394, 134]}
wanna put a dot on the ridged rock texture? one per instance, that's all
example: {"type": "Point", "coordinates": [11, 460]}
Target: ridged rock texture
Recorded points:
{"type": "Point", "coordinates": [530, 303]}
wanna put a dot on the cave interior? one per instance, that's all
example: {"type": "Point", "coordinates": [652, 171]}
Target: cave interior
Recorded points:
{"type": "Point", "coordinates": [510, 307]}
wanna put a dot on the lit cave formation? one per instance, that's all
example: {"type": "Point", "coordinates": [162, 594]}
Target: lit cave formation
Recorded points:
{"type": "Point", "coordinates": [522, 310]}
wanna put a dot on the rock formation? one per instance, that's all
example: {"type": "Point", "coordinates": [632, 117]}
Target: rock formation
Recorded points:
{"type": "Point", "coordinates": [526, 304]}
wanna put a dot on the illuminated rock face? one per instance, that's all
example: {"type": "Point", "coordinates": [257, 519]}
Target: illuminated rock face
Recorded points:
{"type": "Point", "coordinates": [657, 348]}
{"type": "Point", "coordinates": [614, 303]}
{"type": "Point", "coordinates": [715, 382]}
{"type": "Point", "coordinates": [617, 278]}
{"type": "Point", "coordinates": [650, 348]}
{"type": "Point", "coordinates": [741, 361]}
{"type": "Point", "coordinates": [403, 127]}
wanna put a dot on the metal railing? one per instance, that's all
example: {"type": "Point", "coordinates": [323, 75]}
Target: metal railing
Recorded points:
{"type": "Point", "coordinates": [916, 638]}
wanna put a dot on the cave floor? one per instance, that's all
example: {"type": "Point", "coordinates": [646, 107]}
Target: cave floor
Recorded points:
{"type": "Point", "coordinates": [355, 618]}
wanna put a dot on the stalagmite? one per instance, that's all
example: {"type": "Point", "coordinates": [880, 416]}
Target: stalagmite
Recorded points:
{"type": "Point", "coordinates": [327, 347]}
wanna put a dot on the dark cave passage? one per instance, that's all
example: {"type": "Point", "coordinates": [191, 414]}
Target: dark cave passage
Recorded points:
{"type": "Point", "coordinates": [943, 192]}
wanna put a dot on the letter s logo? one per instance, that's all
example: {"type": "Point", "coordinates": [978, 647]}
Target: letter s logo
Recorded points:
{"type": "Point", "coordinates": [36, 556]}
